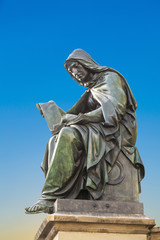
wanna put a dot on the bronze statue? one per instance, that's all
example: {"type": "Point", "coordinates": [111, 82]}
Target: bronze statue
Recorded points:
{"type": "Point", "coordinates": [87, 143]}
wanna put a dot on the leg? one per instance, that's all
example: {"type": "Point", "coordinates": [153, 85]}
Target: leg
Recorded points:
{"type": "Point", "coordinates": [48, 154]}
{"type": "Point", "coordinates": [63, 162]}
{"type": "Point", "coordinates": [67, 151]}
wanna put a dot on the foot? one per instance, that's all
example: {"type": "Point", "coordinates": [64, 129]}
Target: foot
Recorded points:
{"type": "Point", "coordinates": [42, 206]}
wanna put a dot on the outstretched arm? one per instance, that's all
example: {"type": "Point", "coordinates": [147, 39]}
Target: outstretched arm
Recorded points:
{"type": "Point", "coordinates": [95, 116]}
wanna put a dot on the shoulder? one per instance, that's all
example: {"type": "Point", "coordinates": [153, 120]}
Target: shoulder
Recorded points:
{"type": "Point", "coordinates": [113, 78]}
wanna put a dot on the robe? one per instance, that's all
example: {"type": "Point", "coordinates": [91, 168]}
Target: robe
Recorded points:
{"type": "Point", "coordinates": [80, 156]}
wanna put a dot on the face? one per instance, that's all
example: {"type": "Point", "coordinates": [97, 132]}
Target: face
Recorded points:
{"type": "Point", "coordinates": [78, 72]}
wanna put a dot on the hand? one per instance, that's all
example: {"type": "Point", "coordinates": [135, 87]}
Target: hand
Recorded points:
{"type": "Point", "coordinates": [68, 118]}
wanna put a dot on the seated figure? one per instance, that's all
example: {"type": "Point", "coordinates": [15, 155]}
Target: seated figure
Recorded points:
{"type": "Point", "coordinates": [91, 137]}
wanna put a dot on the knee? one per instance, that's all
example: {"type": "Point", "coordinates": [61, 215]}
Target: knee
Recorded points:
{"type": "Point", "coordinates": [67, 133]}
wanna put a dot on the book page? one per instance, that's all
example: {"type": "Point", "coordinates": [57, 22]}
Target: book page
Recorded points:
{"type": "Point", "coordinates": [51, 112]}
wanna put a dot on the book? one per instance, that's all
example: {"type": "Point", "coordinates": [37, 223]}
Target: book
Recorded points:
{"type": "Point", "coordinates": [52, 113]}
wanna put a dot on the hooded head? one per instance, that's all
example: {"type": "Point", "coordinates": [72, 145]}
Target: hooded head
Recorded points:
{"type": "Point", "coordinates": [82, 58]}
{"type": "Point", "coordinates": [85, 60]}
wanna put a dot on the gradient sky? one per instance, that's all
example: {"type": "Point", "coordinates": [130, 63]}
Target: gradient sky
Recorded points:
{"type": "Point", "coordinates": [36, 37]}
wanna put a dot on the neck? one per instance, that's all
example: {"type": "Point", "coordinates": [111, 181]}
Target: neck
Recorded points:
{"type": "Point", "coordinates": [90, 80]}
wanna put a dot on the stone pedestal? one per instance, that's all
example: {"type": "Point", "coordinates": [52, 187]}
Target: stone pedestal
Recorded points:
{"type": "Point", "coordinates": [96, 220]}
{"type": "Point", "coordinates": [154, 234]}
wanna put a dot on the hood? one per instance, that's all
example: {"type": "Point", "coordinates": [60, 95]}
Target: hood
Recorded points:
{"type": "Point", "coordinates": [85, 60]}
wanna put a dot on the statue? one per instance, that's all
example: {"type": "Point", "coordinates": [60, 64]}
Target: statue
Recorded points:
{"type": "Point", "coordinates": [87, 142]}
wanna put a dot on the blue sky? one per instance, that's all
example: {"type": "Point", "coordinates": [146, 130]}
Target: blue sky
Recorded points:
{"type": "Point", "coordinates": [36, 37]}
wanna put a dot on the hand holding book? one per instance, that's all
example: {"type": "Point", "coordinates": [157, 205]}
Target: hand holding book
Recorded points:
{"type": "Point", "coordinates": [52, 113]}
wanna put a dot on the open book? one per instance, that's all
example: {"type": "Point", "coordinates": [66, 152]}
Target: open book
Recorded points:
{"type": "Point", "coordinates": [52, 113]}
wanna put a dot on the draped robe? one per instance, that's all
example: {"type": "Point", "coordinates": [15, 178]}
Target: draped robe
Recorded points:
{"type": "Point", "coordinates": [83, 152]}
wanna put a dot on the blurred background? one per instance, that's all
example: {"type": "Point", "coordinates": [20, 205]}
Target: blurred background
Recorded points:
{"type": "Point", "coordinates": [36, 37]}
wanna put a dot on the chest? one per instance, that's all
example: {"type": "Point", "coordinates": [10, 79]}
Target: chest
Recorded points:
{"type": "Point", "coordinates": [92, 104]}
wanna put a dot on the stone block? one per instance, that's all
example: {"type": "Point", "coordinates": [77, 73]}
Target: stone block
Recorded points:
{"type": "Point", "coordinates": [128, 189]}
{"type": "Point", "coordinates": [65, 227]}
{"type": "Point", "coordinates": [98, 236]}
{"type": "Point", "coordinates": [100, 208]}
{"type": "Point", "coordinates": [154, 234]}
